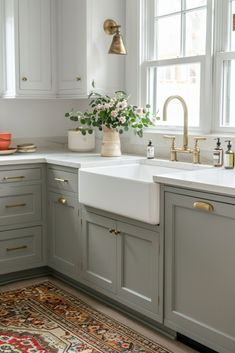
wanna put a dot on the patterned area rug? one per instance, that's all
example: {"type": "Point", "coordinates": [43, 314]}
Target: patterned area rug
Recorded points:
{"type": "Point", "coordinates": [45, 319]}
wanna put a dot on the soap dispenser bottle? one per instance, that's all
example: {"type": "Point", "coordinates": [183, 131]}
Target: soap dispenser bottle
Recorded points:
{"type": "Point", "coordinates": [229, 157]}
{"type": "Point", "coordinates": [150, 150]}
{"type": "Point", "coordinates": [218, 154]}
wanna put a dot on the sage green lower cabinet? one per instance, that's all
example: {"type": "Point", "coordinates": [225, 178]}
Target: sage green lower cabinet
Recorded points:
{"type": "Point", "coordinates": [63, 233]}
{"type": "Point", "coordinates": [63, 220]}
{"type": "Point", "coordinates": [123, 261]}
{"type": "Point", "coordinates": [199, 268]}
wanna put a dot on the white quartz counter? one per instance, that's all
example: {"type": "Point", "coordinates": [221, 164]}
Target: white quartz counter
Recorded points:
{"type": "Point", "coordinates": [216, 180]}
{"type": "Point", "coordinates": [64, 158]}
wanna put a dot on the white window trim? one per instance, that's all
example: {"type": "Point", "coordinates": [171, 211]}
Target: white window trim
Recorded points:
{"type": "Point", "coordinates": [206, 75]}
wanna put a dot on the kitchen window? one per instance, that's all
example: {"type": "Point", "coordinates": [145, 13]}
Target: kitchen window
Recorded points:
{"type": "Point", "coordinates": [179, 57]}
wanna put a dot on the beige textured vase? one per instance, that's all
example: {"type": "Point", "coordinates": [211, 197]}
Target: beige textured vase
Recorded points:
{"type": "Point", "coordinates": [111, 146]}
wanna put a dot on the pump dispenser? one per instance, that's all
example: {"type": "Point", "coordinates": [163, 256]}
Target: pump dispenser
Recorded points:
{"type": "Point", "coordinates": [218, 154]}
{"type": "Point", "coordinates": [229, 157]}
{"type": "Point", "coordinates": [150, 150]}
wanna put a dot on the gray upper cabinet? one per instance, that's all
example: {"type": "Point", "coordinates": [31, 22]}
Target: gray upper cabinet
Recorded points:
{"type": "Point", "coordinates": [199, 265]}
{"type": "Point", "coordinates": [123, 261]}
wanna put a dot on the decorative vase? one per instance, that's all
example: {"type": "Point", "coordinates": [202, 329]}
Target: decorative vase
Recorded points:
{"type": "Point", "coordinates": [78, 142]}
{"type": "Point", "coordinates": [111, 146]}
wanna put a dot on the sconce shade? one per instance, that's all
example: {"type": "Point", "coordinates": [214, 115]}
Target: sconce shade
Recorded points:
{"type": "Point", "coordinates": [117, 45]}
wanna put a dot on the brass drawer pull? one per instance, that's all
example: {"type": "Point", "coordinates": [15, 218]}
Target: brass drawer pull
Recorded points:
{"type": "Point", "coordinates": [62, 201]}
{"type": "Point", "coordinates": [17, 248]}
{"type": "Point", "coordinates": [24, 79]}
{"type": "Point", "coordinates": [111, 230]}
{"type": "Point", "coordinates": [14, 177]}
{"type": "Point", "coordinates": [117, 232]}
{"type": "Point", "coordinates": [204, 206]}
{"type": "Point", "coordinates": [16, 205]}
{"type": "Point", "coordinates": [78, 78]}
{"type": "Point", "coordinates": [61, 180]}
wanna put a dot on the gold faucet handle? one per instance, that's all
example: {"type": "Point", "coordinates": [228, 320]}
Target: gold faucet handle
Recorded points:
{"type": "Point", "coordinates": [170, 137]}
{"type": "Point", "coordinates": [197, 139]}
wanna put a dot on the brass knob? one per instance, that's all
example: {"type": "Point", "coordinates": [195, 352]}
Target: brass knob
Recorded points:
{"type": "Point", "coordinates": [117, 232]}
{"type": "Point", "coordinates": [111, 230]}
{"type": "Point", "coordinates": [62, 201]}
{"type": "Point", "coordinates": [78, 78]}
{"type": "Point", "coordinates": [24, 78]}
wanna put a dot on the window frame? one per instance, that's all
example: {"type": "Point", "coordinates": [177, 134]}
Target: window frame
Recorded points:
{"type": "Point", "coordinates": [204, 60]}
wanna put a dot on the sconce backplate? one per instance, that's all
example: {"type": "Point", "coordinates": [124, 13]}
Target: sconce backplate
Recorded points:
{"type": "Point", "coordinates": [110, 26]}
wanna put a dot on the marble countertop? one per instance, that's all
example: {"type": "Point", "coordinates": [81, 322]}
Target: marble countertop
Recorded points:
{"type": "Point", "coordinates": [65, 158]}
{"type": "Point", "coordinates": [216, 180]}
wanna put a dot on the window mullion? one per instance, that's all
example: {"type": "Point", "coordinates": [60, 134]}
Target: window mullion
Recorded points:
{"type": "Point", "coordinates": [183, 29]}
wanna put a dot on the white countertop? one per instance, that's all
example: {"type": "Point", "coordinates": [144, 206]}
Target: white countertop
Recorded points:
{"type": "Point", "coordinates": [64, 158]}
{"type": "Point", "coordinates": [216, 180]}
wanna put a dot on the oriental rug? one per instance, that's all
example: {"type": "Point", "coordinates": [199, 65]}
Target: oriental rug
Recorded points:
{"type": "Point", "coordinates": [43, 318]}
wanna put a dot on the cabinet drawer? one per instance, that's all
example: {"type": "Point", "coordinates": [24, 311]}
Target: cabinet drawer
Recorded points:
{"type": "Point", "coordinates": [19, 205]}
{"type": "Point", "coordinates": [62, 180]}
{"type": "Point", "coordinates": [20, 175]}
{"type": "Point", "coordinates": [20, 249]}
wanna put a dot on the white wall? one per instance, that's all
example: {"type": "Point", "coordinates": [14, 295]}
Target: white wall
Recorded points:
{"type": "Point", "coordinates": [26, 118]}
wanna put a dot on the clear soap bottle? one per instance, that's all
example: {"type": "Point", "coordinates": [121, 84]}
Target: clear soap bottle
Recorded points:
{"type": "Point", "coordinates": [229, 157]}
{"type": "Point", "coordinates": [218, 154]}
{"type": "Point", "coordinates": [150, 150]}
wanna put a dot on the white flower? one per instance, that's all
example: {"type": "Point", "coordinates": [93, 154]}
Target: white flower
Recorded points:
{"type": "Point", "coordinates": [139, 111]}
{"type": "Point", "coordinates": [122, 119]}
{"type": "Point", "coordinates": [122, 105]}
{"type": "Point", "coordinates": [114, 113]}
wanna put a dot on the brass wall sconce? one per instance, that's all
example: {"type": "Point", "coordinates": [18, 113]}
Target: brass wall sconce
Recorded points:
{"type": "Point", "coordinates": [112, 28]}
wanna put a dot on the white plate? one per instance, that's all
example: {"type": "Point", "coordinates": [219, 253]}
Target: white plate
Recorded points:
{"type": "Point", "coordinates": [29, 150]}
{"type": "Point", "coordinates": [9, 151]}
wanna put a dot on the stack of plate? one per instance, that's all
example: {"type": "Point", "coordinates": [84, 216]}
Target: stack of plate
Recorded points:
{"type": "Point", "coordinates": [26, 147]}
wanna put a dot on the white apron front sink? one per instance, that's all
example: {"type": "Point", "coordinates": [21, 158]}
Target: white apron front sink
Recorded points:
{"type": "Point", "coordinates": [127, 190]}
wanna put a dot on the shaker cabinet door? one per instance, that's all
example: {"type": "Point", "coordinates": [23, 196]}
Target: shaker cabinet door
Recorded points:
{"type": "Point", "coordinates": [71, 46]}
{"type": "Point", "coordinates": [199, 269]}
{"type": "Point", "coordinates": [63, 234]}
{"type": "Point", "coordinates": [35, 59]}
{"type": "Point", "coordinates": [139, 269]}
{"type": "Point", "coordinates": [99, 252]}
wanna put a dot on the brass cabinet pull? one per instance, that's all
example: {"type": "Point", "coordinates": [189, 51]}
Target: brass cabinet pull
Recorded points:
{"type": "Point", "coordinates": [62, 201]}
{"type": "Point", "coordinates": [204, 206]}
{"type": "Point", "coordinates": [61, 180]}
{"type": "Point", "coordinates": [17, 248]}
{"type": "Point", "coordinates": [14, 177]}
{"type": "Point", "coordinates": [111, 230]}
{"type": "Point", "coordinates": [24, 79]}
{"type": "Point", "coordinates": [117, 232]}
{"type": "Point", "coordinates": [78, 78]}
{"type": "Point", "coordinates": [16, 205]}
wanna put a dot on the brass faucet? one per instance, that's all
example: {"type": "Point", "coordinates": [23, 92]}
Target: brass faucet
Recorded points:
{"type": "Point", "coordinates": [184, 148]}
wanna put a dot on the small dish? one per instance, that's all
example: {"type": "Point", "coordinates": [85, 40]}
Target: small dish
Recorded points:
{"type": "Point", "coordinates": [8, 151]}
{"type": "Point", "coordinates": [27, 150]}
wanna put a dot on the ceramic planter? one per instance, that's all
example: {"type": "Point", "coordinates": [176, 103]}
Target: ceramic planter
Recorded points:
{"type": "Point", "coordinates": [78, 142]}
{"type": "Point", "coordinates": [111, 146]}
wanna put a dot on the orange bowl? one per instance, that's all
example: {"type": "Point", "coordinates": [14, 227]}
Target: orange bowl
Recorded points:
{"type": "Point", "coordinates": [5, 140]}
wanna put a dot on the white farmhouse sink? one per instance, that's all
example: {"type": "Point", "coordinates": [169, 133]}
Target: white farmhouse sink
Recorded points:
{"type": "Point", "coordinates": [127, 190]}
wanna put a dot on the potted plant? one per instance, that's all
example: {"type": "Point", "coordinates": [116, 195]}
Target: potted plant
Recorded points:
{"type": "Point", "coordinates": [113, 115]}
{"type": "Point", "coordinates": [82, 138]}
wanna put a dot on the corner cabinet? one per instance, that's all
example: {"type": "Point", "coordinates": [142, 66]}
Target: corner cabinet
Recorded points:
{"type": "Point", "coordinates": [199, 267]}
{"type": "Point", "coordinates": [123, 260]}
{"type": "Point", "coordinates": [63, 220]}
